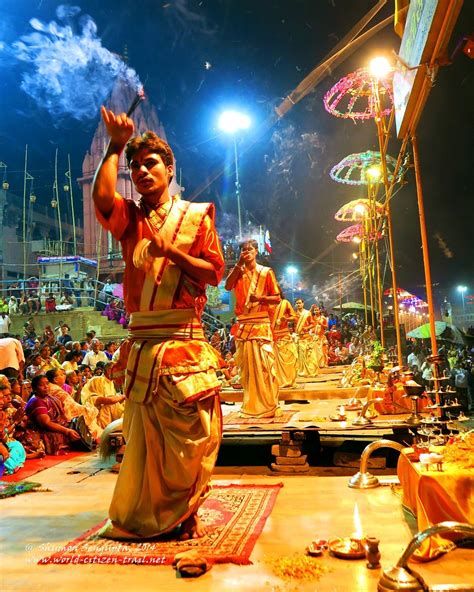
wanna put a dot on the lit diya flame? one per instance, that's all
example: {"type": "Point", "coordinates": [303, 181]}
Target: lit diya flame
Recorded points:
{"type": "Point", "coordinates": [358, 535]}
{"type": "Point", "coordinates": [139, 97]}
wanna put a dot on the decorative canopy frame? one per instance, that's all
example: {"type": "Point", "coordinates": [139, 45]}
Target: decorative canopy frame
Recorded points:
{"type": "Point", "coordinates": [353, 96]}
{"type": "Point", "coordinates": [352, 170]}
{"type": "Point", "coordinates": [356, 231]}
{"type": "Point", "coordinates": [357, 210]}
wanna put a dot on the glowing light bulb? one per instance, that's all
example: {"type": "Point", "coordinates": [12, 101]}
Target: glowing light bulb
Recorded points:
{"type": "Point", "coordinates": [373, 172]}
{"type": "Point", "coordinates": [379, 67]}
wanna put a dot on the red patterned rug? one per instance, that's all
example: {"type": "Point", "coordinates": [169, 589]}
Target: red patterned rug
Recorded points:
{"type": "Point", "coordinates": [33, 466]}
{"type": "Point", "coordinates": [233, 418]}
{"type": "Point", "coordinates": [236, 513]}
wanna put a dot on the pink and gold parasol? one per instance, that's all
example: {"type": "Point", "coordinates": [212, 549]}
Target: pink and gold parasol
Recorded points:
{"type": "Point", "coordinates": [353, 96]}
{"type": "Point", "coordinates": [357, 210]}
{"type": "Point", "coordinates": [355, 233]}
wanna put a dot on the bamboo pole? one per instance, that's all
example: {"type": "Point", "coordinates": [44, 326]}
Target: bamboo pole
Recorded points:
{"type": "Point", "coordinates": [424, 245]}
{"type": "Point", "coordinates": [382, 135]}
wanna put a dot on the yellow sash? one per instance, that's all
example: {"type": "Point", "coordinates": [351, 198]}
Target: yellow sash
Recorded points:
{"type": "Point", "coordinates": [302, 320]}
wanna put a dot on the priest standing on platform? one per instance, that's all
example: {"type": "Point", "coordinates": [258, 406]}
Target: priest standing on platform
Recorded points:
{"type": "Point", "coordinates": [172, 421]}
{"type": "Point", "coordinates": [256, 294]}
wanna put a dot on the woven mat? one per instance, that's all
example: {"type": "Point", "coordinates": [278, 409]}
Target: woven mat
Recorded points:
{"type": "Point", "coordinates": [236, 513]}
{"type": "Point", "coordinates": [233, 418]}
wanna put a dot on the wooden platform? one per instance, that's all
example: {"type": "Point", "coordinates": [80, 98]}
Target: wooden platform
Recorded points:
{"type": "Point", "coordinates": [36, 524]}
{"type": "Point", "coordinates": [326, 385]}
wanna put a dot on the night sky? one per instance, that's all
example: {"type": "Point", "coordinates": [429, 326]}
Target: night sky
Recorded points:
{"type": "Point", "coordinates": [198, 58]}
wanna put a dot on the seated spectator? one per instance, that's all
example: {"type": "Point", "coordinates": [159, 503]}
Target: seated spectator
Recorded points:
{"type": "Point", "coordinates": [48, 337]}
{"type": "Point", "coordinates": [72, 409]}
{"type": "Point", "coordinates": [30, 439]}
{"type": "Point", "coordinates": [73, 379]}
{"type": "Point", "coordinates": [11, 450]}
{"type": "Point", "coordinates": [47, 414]}
{"type": "Point", "coordinates": [33, 301]}
{"type": "Point", "coordinates": [47, 361]}
{"type": "Point", "coordinates": [94, 355]}
{"type": "Point", "coordinates": [50, 303]}
{"type": "Point", "coordinates": [23, 304]}
{"type": "Point", "coordinates": [72, 361]}
{"type": "Point", "coordinates": [100, 392]}
{"type": "Point", "coordinates": [66, 302]}
{"type": "Point", "coordinates": [215, 340]}
{"type": "Point", "coordinates": [64, 337]}
{"type": "Point", "coordinates": [60, 353]}
{"type": "Point", "coordinates": [86, 372]}
{"type": "Point", "coordinates": [13, 307]}
{"type": "Point", "coordinates": [33, 365]}
{"type": "Point", "coordinates": [110, 349]}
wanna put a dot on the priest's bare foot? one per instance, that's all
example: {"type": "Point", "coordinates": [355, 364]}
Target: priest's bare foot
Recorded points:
{"type": "Point", "coordinates": [193, 528]}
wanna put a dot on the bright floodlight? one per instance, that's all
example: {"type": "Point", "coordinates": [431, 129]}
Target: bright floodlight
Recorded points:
{"type": "Point", "coordinates": [373, 172]}
{"type": "Point", "coordinates": [379, 67]}
{"type": "Point", "coordinates": [291, 269]}
{"type": "Point", "coordinates": [232, 121]}
{"type": "Point", "coordinates": [462, 289]}
{"type": "Point", "coordinates": [356, 239]}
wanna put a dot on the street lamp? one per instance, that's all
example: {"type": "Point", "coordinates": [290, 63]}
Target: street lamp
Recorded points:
{"type": "Point", "coordinates": [462, 289]}
{"type": "Point", "coordinates": [232, 122]}
{"type": "Point", "coordinates": [292, 270]}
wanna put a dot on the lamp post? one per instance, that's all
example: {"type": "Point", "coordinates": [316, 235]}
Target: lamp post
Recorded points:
{"type": "Point", "coordinates": [462, 289]}
{"type": "Point", "coordinates": [292, 270]}
{"type": "Point", "coordinates": [232, 122]}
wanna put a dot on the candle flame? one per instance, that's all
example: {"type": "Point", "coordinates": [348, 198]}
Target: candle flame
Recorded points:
{"type": "Point", "coordinates": [358, 533]}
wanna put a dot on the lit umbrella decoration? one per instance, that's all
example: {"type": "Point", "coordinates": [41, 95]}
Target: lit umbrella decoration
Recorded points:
{"type": "Point", "coordinates": [367, 212]}
{"type": "Point", "coordinates": [353, 97]}
{"type": "Point", "coordinates": [355, 233]}
{"type": "Point", "coordinates": [357, 210]}
{"type": "Point", "coordinates": [362, 96]}
{"type": "Point", "coordinates": [352, 170]}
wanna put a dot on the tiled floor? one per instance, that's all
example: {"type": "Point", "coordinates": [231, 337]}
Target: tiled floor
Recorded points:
{"type": "Point", "coordinates": [35, 524]}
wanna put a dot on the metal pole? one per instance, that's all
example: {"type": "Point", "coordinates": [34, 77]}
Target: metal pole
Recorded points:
{"type": "Point", "coordinates": [424, 245]}
{"type": "Point", "coordinates": [237, 187]}
{"type": "Point", "coordinates": [68, 175]}
{"type": "Point", "coordinates": [24, 218]}
{"type": "Point", "coordinates": [60, 227]}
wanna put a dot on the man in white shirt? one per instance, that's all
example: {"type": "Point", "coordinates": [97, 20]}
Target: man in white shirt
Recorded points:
{"type": "Point", "coordinates": [5, 324]}
{"type": "Point", "coordinates": [415, 359]}
{"type": "Point", "coordinates": [12, 358]}
{"type": "Point", "coordinates": [94, 355]}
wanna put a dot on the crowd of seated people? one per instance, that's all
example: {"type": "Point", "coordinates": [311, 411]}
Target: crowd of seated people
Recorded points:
{"type": "Point", "coordinates": [56, 402]}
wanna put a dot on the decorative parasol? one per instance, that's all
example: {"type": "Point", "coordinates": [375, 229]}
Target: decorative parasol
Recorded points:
{"type": "Point", "coordinates": [442, 330]}
{"type": "Point", "coordinates": [353, 96]}
{"type": "Point", "coordinates": [356, 231]}
{"type": "Point", "coordinates": [352, 170]}
{"type": "Point", "coordinates": [357, 210]}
